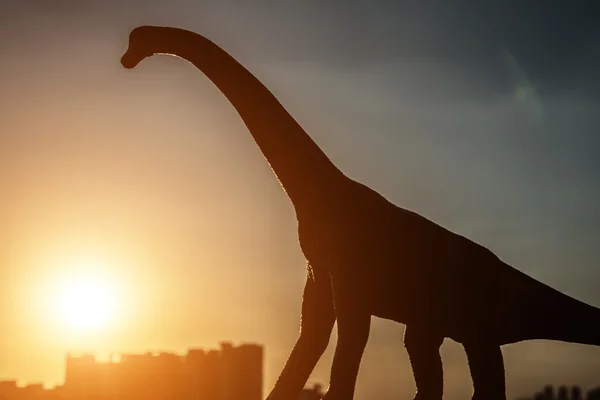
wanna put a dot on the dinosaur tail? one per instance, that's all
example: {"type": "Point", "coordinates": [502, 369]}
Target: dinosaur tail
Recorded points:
{"type": "Point", "coordinates": [569, 320]}
{"type": "Point", "coordinates": [534, 310]}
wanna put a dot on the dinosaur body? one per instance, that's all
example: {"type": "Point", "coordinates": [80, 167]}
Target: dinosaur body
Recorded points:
{"type": "Point", "coordinates": [367, 257]}
{"type": "Point", "coordinates": [413, 271]}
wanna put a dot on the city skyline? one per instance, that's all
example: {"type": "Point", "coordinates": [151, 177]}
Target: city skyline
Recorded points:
{"type": "Point", "coordinates": [228, 373]}
{"type": "Point", "coordinates": [77, 370]}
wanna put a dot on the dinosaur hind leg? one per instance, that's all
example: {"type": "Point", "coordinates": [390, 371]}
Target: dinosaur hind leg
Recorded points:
{"type": "Point", "coordinates": [423, 348]}
{"type": "Point", "coordinates": [487, 370]}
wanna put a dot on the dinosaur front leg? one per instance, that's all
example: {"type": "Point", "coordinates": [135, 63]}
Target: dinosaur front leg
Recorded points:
{"type": "Point", "coordinates": [487, 370]}
{"type": "Point", "coordinates": [423, 348]}
{"type": "Point", "coordinates": [317, 320]}
{"type": "Point", "coordinates": [353, 324]}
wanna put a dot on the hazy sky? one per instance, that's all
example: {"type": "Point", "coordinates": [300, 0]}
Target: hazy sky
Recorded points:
{"type": "Point", "coordinates": [481, 116]}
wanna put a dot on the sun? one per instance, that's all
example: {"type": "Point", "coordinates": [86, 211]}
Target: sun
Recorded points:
{"type": "Point", "coordinates": [86, 303]}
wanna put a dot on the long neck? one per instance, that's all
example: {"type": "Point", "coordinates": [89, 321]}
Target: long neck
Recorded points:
{"type": "Point", "coordinates": [301, 167]}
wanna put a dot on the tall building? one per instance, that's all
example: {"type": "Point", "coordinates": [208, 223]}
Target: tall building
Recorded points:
{"type": "Point", "coordinates": [313, 393]}
{"type": "Point", "coordinates": [594, 394]}
{"type": "Point", "coordinates": [242, 372]}
{"type": "Point", "coordinates": [562, 393]}
{"type": "Point", "coordinates": [548, 392]}
{"type": "Point", "coordinates": [8, 390]}
{"type": "Point", "coordinates": [231, 373]}
{"type": "Point", "coordinates": [204, 374]}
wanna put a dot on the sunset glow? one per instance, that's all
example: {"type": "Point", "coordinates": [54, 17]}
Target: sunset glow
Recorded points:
{"type": "Point", "coordinates": [84, 302]}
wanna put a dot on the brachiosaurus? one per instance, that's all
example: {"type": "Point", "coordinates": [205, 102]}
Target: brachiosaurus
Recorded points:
{"type": "Point", "coordinates": [367, 257]}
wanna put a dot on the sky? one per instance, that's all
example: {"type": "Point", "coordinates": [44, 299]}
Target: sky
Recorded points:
{"type": "Point", "coordinates": [482, 116]}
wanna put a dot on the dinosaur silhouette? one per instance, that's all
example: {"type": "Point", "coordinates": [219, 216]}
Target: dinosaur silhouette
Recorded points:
{"type": "Point", "coordinates": [367, 257]}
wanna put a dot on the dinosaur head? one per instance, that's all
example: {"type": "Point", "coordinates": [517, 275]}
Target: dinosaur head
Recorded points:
{"type": "Point", "coordinates": [142, 44]}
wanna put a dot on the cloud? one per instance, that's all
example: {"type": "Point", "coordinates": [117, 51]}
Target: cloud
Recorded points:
{"type": "Point", "coordinates": [525, 92]}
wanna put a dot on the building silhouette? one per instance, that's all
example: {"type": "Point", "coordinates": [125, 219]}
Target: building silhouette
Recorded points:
{"type": "Point", "coordinates": [594, 394]}
{"type": "Point", "coordinates": [313, 393]}
{"type": "Point", "coordinates": [241, 380]}
{"type": "Point", "coordinates": [564, 393]}
{"type": "Point", "coordinates": [231, 373]}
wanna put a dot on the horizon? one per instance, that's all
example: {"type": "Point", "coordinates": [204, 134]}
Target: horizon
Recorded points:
{"type": "Point", "coordinates": [144, 189]}
{"type": "Point", "coordinates": [118, 358]}
{"type": "Point", "coordinates": [113, 357]}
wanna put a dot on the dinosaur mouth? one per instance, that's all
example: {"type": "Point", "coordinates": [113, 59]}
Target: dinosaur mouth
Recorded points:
{"type": "Point", "coordinates": [130, 60]}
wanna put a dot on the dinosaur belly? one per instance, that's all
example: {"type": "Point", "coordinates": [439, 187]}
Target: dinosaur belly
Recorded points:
{"type": "Point", "coordinates": [393, 262]}
{"type": "Point", "coordinates": [427, 284]}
